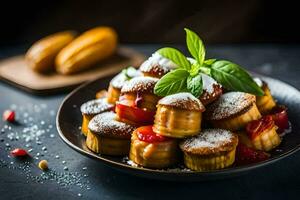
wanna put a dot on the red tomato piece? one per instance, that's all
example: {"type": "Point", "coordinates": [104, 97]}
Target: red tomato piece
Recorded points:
{"type": "Point", "coordinates": [18, 152]}
{"type": "Point", "coordinates": [256, 127]}
{"type": "Point", "coordinates": [146, 134]}
{"type": "Point", "coordinates": [9, 116]}
{"type": "Point", "coordinates": [135, 114]}
{"type": "Point", "coordinates": [280, 117]}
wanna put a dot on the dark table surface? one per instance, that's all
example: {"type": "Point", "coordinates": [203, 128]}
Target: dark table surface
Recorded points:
{"type": "Point", "coordinates": [72, 175]}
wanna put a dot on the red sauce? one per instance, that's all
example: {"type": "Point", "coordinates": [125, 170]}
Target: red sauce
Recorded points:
{"type": "Point", "coordinates": [256, 127]}
{"type": "Point", "coordinates": [280, 117]}
{"type": "Point", "coordinates": [146, 134]}
{"type": "Point", "coordinates": [134, 114]}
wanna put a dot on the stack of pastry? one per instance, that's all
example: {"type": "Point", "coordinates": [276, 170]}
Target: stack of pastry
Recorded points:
{"type": "Point", "coordinates": [177, 116]}
{"type": "Point", "coordinates": [159, 132]}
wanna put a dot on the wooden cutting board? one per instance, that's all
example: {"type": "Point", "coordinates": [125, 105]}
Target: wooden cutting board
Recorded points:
{"type": "Point", "coordinates": [15, 71]}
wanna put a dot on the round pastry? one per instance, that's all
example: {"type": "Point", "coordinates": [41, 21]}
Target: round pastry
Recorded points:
{"type": "Point", "coordinates": [178, 115]}
{"type": "Point", "coordinates": [211, 90]}
{"type": "Point", "coordinates": [117, 83]}
{"type": "Point", "coordinates": [137, 103]}
{"type": "Point", "coordinates": [101, 94]}
{"type": "Point", "coordinates": [92, 108]}
{"type": "Point", "coordinates": [108, 136]}
{"type": "Point", "coordinates": [232, 111]}
{"type": "Point", "coordinates": [157, 66]}
{"type": "Point", "coordinates": [262, 133]}
{"type": "Point", "coordinates": [149, 149]}
{"type": "Point", "coordinates": [266, 102]}
{"type": "Point", "coordinates": [210, 150]}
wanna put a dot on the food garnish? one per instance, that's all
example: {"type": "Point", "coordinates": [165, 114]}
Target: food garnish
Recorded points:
{"type": "Point", "coordinates": [247, 155]}
{"type": "Point", "coordinates": [146, 134]}
{"type": "Point", "coordinates": [280, 117]}
{"type": "Point", "coordinates": [256, 127]}
{"type": "Point", "coordinates": [187, 77]}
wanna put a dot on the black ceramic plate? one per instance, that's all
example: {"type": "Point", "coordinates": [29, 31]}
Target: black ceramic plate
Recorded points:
{"type": "Point", "coordinates": [69, 119]}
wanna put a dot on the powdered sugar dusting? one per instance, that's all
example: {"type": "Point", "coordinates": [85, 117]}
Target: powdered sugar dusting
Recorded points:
{"type": "Point", "coordinates": [157, 63]}
{"type": "Point", "coordinates": [209, 138]}
{"type": "Point", "coordinates": [140, 84]}
{"type": "Point", "coordinates": [182, 100]}
{"type": "Point", "coordinates": [258, 81]}
{"type": "Point", "coordinates": [208, 83]}
{"type": "Point", "coordinates": [96, 106]}
{"type": "Point", "coordinates": [119, 80]}
{"type": "Point", "coordinates": [106, 124]}
{"type": "Point", "coordinates": [229, 104]}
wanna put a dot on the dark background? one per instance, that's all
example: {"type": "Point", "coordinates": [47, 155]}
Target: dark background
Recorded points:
{"type": "Point", "coordinates": [232, 21]}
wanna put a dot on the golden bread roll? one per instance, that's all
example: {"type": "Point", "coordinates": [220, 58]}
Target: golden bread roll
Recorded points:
{"type": "Point", "coordinates": [89, 48]}
{"type": "Point", "coordinates": [41, 55]}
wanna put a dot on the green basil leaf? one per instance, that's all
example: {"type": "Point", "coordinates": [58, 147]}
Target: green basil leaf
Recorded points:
{"type": "Point", "coordinates": [210, 61]}
{"type": "Point", "coordinates": [233, 77]}
{"type": "Point", "coordinates": [195, 46]}
{"type": "Point", "coordinates": [195, 85]}
{"type": "Point", "coordinates": [171, 83]}
{"type": "Point", "coordinates": [176, 56]}
{"type": "Point", "coordinates": [194, 69]}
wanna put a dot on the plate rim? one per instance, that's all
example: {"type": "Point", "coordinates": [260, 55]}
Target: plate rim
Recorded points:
{"type": "Point", "coordinates": [116, 165]}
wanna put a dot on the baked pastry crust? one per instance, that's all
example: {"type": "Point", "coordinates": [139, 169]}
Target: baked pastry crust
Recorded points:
{"type": "Point", "coordinates": [267, 140]}
{"type": "Point", "coordinates": [211, 90]}
{"type": "Point", "coordinates": [138, 97]}
{"type": "Point", "coordinates": [154, 155]}
{"type": "Point", "coordinates": [92, 108]}
{"type": "Point", "coordinates": [211, 149]}
{"type": "Point", "coordinates": [266, 102]}
{"type": "Point", "coordinates": [157, 66]}
{"type": "Point", "coordinates": [108, 136]}
{"type": "Point", "coordinates": [140, 84]}
{"type": "Point", "coordinates": [232, 111]}
{"type": "Point", "coordinates": [116, 84]}
{"type": "Point", "coordinates": [178, 116]}
{"type": "Point", "coordinates": [262, 134]}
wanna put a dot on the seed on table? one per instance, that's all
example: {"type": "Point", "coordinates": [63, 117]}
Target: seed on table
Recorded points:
{"type": "Point", "coordinates": [43, 165]}
{"type": "Point", "coordinates": [66, 168]}
{"type": "Point", "coordinates": [57, 156]}
{"type": "Point", "coordinates": [44, 148]}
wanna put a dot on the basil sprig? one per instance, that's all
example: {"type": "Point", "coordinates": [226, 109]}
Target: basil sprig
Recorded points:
{"type": "Point", "coordinates": [187, 77]}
